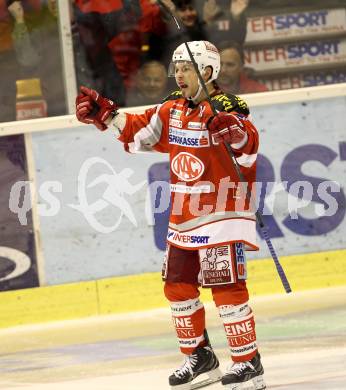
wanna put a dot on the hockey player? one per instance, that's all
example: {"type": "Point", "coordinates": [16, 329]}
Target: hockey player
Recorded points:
{"type": "Point", "coordinates": [211, 221]}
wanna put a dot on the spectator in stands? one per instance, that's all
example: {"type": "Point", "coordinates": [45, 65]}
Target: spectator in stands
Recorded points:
{"type": "Point", "coordinates": [26, 54]}
{"type": "Point", "coordinates": [193, 29]}
{"type": "Point", "coordinates": [187, 13]}
{"type": "Point", "coordinates": [150, 85]}
{"type": "Point", "coordinates": [53, 7]}
{"type": "Point", "coordinates": [233, 77]}
{"type": "Point", "coordinates": [42, 21]}
{"type": "Point", "coordinates": [29, 38]}
{"type": "Point", "coordinates": [115, 36]}
{"type": "Point", "coordinates": [97, 23]}
{"type": "Point", "coordinates": [130, 45]}
{"type": "Point", "coordinates": [8, 66]}
{"type": "Point", "coordinates": [226, 20]}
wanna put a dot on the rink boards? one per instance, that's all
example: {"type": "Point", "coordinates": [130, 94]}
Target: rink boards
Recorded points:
{"type": "Point", "coordinates": [144, 292]}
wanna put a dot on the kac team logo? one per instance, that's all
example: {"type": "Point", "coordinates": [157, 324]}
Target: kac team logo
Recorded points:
{"type": "Point", "coordinates": [187, 167]}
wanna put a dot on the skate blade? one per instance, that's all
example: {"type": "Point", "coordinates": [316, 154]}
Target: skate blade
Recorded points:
{"type": "Point", "coordinates": [214, 376]}
{"type": "Point", "coordinates": [253, 384]}
{"type": "Point", "coordinates": [259, 383]}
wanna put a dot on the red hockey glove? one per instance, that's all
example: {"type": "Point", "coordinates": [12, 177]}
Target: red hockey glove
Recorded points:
{"type": "Point", "coordinates": [92, 108]}
{"type": "Point", "coordinates": [226, 127]}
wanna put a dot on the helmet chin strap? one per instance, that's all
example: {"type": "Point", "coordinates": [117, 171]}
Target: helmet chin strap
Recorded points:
{"type": "Point", "coordinates": [199, 90]}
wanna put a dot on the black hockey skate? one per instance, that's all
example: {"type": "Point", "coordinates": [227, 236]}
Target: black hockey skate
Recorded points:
{"type": "Point", "coordinates": [245, 375]}
{"type": "Point", "coordinates": [201, 361]}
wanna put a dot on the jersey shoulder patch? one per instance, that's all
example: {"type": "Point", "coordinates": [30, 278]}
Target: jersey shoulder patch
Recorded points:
{"type": "Point", "coordinates": [228, 103]}
{"type": "Point", "coordinates": [173, 96]}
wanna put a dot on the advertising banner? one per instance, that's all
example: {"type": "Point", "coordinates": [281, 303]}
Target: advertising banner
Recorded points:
{"type": "Point", "coordinates": [298, 25]}
{"type": "Point", "coordinates": [94, 206]}
{"type": "Point", "coordinates": [296, 56]}
{"type": "Point", "coordinates": [301, 80]}
{"type": "Point", "coordinates": [104, 212]}
{"type": "Point", "coordinates": [18, 267]}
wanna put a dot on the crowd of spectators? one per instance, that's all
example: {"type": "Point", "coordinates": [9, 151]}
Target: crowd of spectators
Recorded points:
{"type": "Point", "coordinates": [126, 46]}
{"type": "Point", "coordinates": [122, 48]}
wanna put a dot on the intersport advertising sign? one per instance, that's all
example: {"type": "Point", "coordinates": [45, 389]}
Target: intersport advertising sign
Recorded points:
{"type": "Point", "coordinates": [308, 24]}
{"type": "Point", "coordinates": [298, 55]}
{"type": "Point", "coordinates": [306, 79]}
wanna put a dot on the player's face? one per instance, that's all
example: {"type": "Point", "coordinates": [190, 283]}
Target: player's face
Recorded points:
{"type": "Point", "coordinates": [186, 78]}
{"type": "Point", "coordinates": [231, 67]}
{"type": "Point", "coordinates": [152, 81]}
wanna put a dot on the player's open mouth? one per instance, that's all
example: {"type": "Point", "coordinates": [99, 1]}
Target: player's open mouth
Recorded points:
{"type": "Point", "coordinates": [182, 86]}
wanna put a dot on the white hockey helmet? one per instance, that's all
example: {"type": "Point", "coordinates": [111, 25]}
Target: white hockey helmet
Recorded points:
{"type": "Point", "coordinates": [204, 53]}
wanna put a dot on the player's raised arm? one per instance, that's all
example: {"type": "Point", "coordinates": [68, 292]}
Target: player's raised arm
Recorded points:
{"type": "Point", "coordinates": [139, 133]}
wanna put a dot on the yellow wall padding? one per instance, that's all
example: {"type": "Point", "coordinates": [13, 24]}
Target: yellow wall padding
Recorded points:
{"type": "Point", "coordinates": [143, 292]}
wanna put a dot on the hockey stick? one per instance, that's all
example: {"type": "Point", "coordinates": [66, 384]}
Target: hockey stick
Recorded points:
{"type": "Point", "coordinates": [242, 180]}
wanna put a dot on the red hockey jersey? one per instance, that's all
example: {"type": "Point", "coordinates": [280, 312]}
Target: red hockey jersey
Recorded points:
{"type": "Point", "coordinates": [208, 204]}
